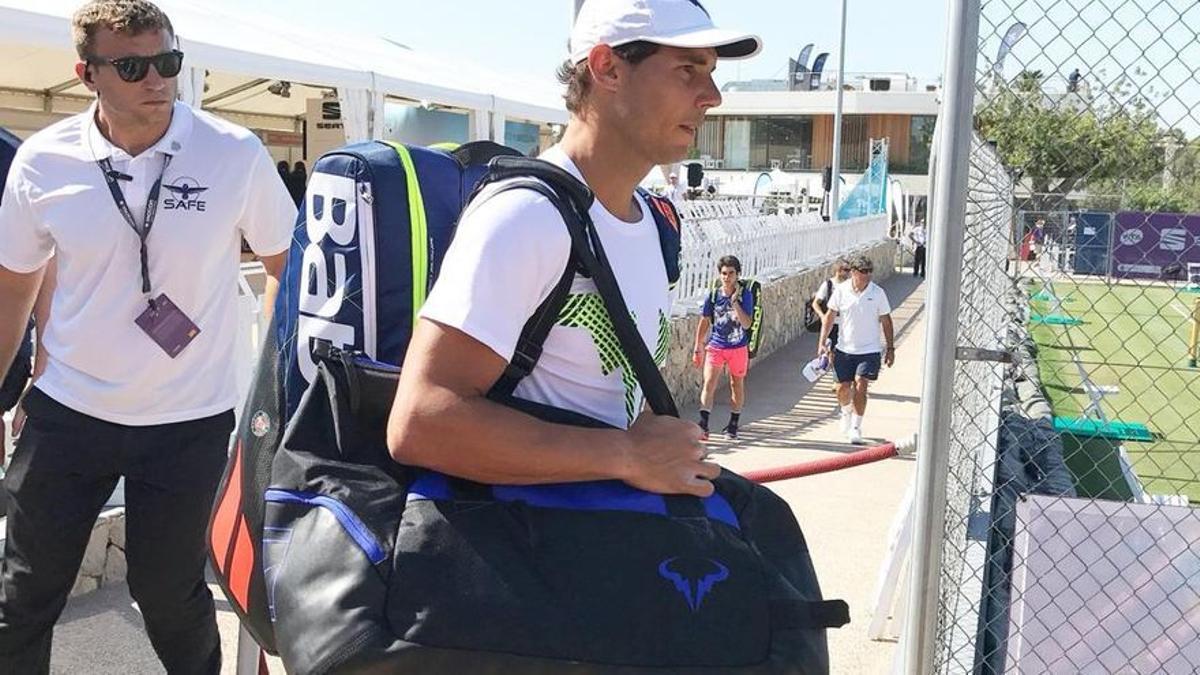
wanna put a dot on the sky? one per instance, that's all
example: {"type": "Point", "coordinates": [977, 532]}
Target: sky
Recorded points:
{"type": "Point", "coordinates": [528, 37]}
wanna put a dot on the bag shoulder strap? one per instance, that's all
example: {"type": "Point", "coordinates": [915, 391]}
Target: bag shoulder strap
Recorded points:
{"type": "Point", "coordinates": [537, 328]}
{"type": "Point", "coordinates": [573, 199]}
{"type": "Point", "coordinates": [668, 221]}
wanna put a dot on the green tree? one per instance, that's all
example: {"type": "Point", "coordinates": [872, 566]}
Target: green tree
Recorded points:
{"type": "Point", "coordinates": [1060, 142]}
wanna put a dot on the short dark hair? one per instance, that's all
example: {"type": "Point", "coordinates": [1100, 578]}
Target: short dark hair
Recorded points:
{"type": "Point", "coordinates": [729, 261]}
{"type": "Point", "coordinates": [131, 17]}
{"type": "Point", "coordinates": [578, 80]}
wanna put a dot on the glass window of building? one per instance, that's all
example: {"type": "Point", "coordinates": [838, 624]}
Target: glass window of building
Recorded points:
{"type": "Point", "coordinates": [790, 143]}
{"type": "Point", "coordinates": [710, 140]}
{"type": "Point", "coordinates": [856, 146]}
{"type": "Point", "coordinates": [920, 138]}
{"type": "Point", "coordinates": [737, 143]}
{"type": "Point", "coordinates": [760, 142]}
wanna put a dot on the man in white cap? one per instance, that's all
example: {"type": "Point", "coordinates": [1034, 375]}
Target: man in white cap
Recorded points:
{"type": "Point", "coordinates": [638, 83]}
{"type": "Point", "coordinates": [674, 191]}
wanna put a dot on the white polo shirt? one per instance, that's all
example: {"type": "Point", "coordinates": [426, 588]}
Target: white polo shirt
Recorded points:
{"type": "Point", "coordinates": [860, 332]}
{"type": "Point", "coordinates": [220, 185]}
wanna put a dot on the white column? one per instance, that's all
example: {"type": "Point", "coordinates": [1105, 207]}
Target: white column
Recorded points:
{"type": "Point", "coordinates": [480, 125]}
{"type": "Point", "coordinates": [356, 113]}
{"type": "Point", "coordinates": [379, 130]}
{"type": "Point", "coordinates": [498, 120]}
{"type": "Point", "coordinates": [191, 86]}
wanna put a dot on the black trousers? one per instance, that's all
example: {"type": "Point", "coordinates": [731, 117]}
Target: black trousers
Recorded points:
{"type": "Point", "coordinates": [919, 262]}
{"type": "Point", "coordinates": [64, 469]}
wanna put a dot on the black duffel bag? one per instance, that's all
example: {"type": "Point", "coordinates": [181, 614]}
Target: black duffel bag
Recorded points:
{"type": "Point", "coordinates": [376, 568]}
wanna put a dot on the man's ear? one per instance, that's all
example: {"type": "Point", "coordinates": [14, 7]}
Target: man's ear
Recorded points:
{"type": "Point", "coordinates": [603, 67]}
{"type": "Point", "coordinates": [83, 71]}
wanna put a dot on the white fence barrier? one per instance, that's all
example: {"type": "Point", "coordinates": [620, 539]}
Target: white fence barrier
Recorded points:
{"type": "Point", "coordinates": [698, 209]}
{"type": "Point", "coordinates": [766, 244]}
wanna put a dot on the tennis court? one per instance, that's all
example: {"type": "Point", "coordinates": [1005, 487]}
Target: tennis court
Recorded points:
{"type": "Point", "coordinates": [1125, 361]}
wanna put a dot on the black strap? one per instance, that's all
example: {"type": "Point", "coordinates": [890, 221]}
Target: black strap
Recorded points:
{"type": "Point", "coordinates": [573, 199]}
{"type": "Point", "coordinates": [790, 614]}
{"type": "Point", "coordinates": [684, 506]}
{"type": "Point", "coordinates": [537, 328]}
{"type": "Point", "coordinates": [588, 250]}
{"type": "Point", "coordinates": [111, 176]}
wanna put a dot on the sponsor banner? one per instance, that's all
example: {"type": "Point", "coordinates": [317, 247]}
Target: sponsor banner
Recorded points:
{"type": "Point", "coordinates": [325, 127]}
{"type": "Point", "coordinates": [1155, 245]}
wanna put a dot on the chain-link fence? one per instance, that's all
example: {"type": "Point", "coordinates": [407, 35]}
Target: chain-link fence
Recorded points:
{"type": "Point", "coordinates": [1071, 533]}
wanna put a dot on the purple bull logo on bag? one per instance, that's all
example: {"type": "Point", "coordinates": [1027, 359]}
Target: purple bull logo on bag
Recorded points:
{"type": "Point", "coordinates": [693, 590]}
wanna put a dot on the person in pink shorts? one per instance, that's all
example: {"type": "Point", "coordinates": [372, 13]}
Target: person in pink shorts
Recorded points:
{"type": "Point", "coordinates": [722, 341]}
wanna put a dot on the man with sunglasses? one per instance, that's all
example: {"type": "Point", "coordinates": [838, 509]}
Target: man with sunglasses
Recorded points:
{"type": "Point", "coordinates": [866, 341]}
{"type": "Point", "coordinates": [143, 203]}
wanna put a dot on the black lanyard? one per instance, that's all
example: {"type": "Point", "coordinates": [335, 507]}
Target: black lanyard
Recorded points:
{"type": "Point", "coordinates": [143, 230]}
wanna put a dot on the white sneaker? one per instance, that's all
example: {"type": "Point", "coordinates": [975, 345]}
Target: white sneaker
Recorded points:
{"type": "Point", "coordinates": [854, 436]}
{"type": "Point", "coordinates": [847, 417]}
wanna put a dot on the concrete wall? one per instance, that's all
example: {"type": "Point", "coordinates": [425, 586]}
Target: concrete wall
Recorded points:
{"type": "Point", "coordinates": [104, 558]}
{"type": "Point", "coordinates": [784, 297]}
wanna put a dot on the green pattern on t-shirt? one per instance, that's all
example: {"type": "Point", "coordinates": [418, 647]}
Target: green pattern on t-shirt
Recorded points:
{"type": "Point", "coordinates": [586, 311]}
{"type": "Point", "coordinates": [664, 339]}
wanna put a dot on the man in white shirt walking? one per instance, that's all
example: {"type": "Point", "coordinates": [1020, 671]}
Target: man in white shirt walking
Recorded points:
{"type": "Point", "coordinates": [143, 203]}
{"type": "Point", "coordinates": [674, 191]}
{"type": "Point", "coordinates": [866, 340]}
{"type": "Point", "coordinates": [917, 236]}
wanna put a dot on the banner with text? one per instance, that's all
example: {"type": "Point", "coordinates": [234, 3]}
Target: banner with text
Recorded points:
{"type": "Point", "coordinates": [1155, 245]}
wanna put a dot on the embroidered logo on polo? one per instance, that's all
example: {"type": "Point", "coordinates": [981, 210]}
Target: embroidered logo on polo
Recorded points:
{"type": "Point", "coordinates": [185, 195]}
{"type": "Point", "coordinates": [693, 578]}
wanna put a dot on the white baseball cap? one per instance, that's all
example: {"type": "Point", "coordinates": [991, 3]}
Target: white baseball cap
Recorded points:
{"type": "Point", "coordinates": [673, 23]}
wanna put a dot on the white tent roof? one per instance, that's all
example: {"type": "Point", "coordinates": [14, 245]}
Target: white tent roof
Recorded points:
{"type": "Point", "coordinates": [237, 49]}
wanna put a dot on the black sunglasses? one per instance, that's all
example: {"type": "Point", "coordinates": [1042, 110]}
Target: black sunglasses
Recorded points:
{"type": "Point", "coordinates": [135, 68]}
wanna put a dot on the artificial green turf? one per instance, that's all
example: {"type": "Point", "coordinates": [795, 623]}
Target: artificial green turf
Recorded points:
{"type": "Point", "coordinates": [1133, 337]}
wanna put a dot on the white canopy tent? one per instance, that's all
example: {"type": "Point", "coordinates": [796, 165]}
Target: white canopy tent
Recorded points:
{"type": "Point", "coordinates": [238, 56]}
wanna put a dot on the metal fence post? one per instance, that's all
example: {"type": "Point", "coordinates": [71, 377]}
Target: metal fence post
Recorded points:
{"type": "Point", "coordinates": [945, 259]}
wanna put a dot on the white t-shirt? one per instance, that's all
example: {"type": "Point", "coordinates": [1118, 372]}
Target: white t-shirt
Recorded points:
{"type": "Point", "coordinates": [220, 185]}
{"type": "Point", "coordinates": [860, 332]}
{"type": "Point", "coordinates": [508, 254]}
{"type": "Point", "coordinates": [917, 235]}
{"type": "Point", "coordinates": [674, 193]}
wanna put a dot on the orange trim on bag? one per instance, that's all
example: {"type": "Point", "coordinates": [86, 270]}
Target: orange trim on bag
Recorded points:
{"type": "Point", "coordinates": [226, 515]}
{"type": "Point", "coordinates": [243, 565]}
{"type": "Point", "coordinates": [667, 211]}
